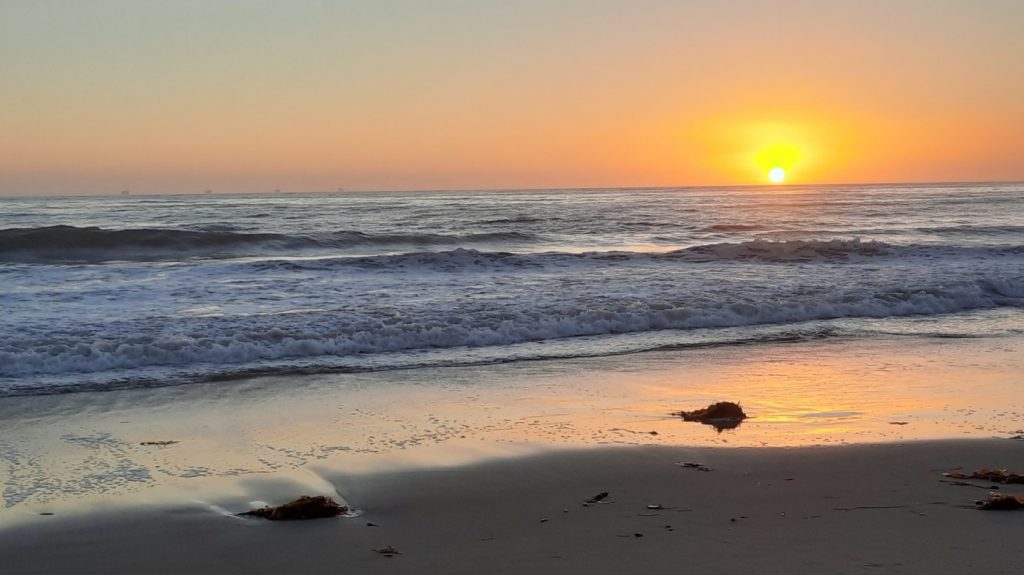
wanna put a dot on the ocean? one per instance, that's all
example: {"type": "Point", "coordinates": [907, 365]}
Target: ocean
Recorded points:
{"type": "Point", "coordinates": [102, 293]}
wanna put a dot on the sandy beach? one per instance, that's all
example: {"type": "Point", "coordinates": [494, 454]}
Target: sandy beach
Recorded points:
{"type": "Point", "coordinates": [851, 509]}
{"type": "Point", "coordinates": [839, 469]}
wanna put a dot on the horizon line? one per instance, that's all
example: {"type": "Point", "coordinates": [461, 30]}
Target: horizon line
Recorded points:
{"type": "Point", "coordinates": [342, 190]}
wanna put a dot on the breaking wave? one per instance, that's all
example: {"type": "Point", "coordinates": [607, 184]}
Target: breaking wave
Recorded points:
{"type": "Point", "coordinates": [756, 251]}
{"type": "Point", "coordinates": [91, 244]}
{"type": "Point", "coordinates": [55, 244]}
{"type": "Point", "coordinates": [350, 332]}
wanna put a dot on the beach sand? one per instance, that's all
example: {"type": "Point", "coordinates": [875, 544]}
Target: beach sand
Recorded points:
{"type": "Point", "coordinates": [851, 509]}
{"type": "Point", "coordinates": [485, 469]}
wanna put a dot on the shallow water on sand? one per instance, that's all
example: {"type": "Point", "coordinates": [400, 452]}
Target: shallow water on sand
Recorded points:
{"type": "Point", "coordinates": [80, 447]}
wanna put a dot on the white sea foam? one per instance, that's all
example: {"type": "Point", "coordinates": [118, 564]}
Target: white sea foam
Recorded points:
{"type": "Point", "coordinates": [211, 340]}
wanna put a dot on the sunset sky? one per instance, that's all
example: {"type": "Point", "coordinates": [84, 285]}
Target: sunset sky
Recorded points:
{"type": "Point", "coordinates": [245, 96]}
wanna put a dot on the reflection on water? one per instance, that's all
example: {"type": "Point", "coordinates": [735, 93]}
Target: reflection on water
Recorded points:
{"type": "Point", "coordinates": [721, 425]}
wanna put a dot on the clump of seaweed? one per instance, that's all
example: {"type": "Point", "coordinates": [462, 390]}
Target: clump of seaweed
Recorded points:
{"type": "Point", "coordinates": [999, 502]}
{"type": "Point", "coordinates": [987, 474]}
{"type": "Point", "coordinates": [305, 507]}
{"type": "Point", "coordinates": [720, 415]}
{"type": "Point", "coordinates": [694, 465]}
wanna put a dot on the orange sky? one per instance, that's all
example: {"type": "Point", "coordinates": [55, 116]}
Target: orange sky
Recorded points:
{"type": "Point", "coordinates": [252, 96]}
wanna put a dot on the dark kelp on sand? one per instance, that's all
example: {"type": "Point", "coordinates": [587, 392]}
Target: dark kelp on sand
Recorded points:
{"type": "Point", "coordinates": [721, 415]}
{"type": "Point", "coordinates": [987, 474]}
{"type": "Point", "coordinates": [1000, 502]}
{"type": "Point", "coordinates": [305, 507]}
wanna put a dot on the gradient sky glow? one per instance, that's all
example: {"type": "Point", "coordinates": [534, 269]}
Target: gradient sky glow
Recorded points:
{"type": "Point", "coordinates": [238, 96]}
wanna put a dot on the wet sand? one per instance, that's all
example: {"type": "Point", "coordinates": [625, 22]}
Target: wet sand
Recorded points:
{"type": "Point", "coordinates": [61, 449]}
{"type": "Point", "coordinates": [850, 509]}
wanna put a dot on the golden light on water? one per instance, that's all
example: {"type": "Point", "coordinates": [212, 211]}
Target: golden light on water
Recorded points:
{"type": "Point", "coordinates": [777, 175]}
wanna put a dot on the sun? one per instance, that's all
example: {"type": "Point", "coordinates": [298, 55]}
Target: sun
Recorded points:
{"type": "Point", "coordinates": [776, 160]}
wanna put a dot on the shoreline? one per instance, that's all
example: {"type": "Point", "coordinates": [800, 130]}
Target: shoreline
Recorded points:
{"type": "Point", "coordinates": [105, 446]}
{"type": "Point", "coordinates": [857, 508]}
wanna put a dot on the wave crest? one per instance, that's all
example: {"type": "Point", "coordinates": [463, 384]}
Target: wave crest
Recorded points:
{"type": "Point", "coordinates": [791, 250]}
{"type": "Point", "coordinates": [71, 243]}
{"type": "Point", "coordinates": [347, 333]}
{"type": "Point", "coordinates": [755, 251]}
